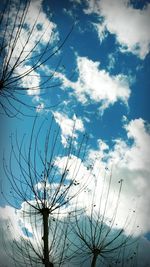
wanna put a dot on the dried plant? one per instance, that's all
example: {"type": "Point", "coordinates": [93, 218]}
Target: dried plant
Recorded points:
{"type": "Point", "coordinates": [97, 237]}
{"type": "Point", "coordinates": [44, 178]}
{"type": "Point", "coordinates": [28, 41]}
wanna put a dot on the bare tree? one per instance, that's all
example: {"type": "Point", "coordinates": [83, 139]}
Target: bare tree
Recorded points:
{"type": "Point", "coordinates": [26, 246]}
{"type": "Point", "coordinates": [97, 238]}
{"type": "Point", "coordinates": [44, 178]}
{"type": "Point", "coordinates": [26, 45]}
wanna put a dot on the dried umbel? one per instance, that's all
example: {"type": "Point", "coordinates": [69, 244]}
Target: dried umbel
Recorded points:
{"type": "Point", "coordinates": [46, 180]}
{"type": "Point", "coordinates": [28, 41]}
{"type": "Point", "coordinates": [98, 241]}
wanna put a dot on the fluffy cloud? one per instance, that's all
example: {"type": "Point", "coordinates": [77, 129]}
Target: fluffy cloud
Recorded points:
{"type": "Point", "coordinates": [69, 127]}
{"type": "Point", "coordinates": [133, 165]}
{"type": "Point", "coordinates": [129, 160]}
{"type": "Point", "coordinates": [135, 156]}
{"type": "Point", "coordinates": [13, 241]}
{"type": "Point", "coordinates": [11, 219]}
{"type": "Point", "coordinates": [131, 26]}
{"type": "Point", "coordinates": [10, 230]}
{"type": "Point", "coordinates": [96, 85]}
{"type": "Point", "coordinates": [36, 31]}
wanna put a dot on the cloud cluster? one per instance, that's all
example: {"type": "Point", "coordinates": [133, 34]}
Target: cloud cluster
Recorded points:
{"type": "Point", "coordinates": [95, 85]}
{"type": "Point", "coordinates": [129, 160]}
{"type": "Point", "coordinates": [130, 25]}
{"type": "Point", "coordinates": [36, 29]}
{"type": "Point", "coordinates": [69, 127]}
{"type": "Point", "coordinates": [136, 156]}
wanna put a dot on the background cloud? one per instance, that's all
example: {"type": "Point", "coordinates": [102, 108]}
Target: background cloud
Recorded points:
{"type": "Point", "coordinates": [95, 85]}
{"type": "Point", "coordinates": [69, 127]}
{"type": "Point", "coordinates": [130, 160]}
{"type": "Point", "coordinates": [130, 25]}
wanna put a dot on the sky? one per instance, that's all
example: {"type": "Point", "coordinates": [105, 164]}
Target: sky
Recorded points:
{"type": "Point", "coordinates": [100, 80]}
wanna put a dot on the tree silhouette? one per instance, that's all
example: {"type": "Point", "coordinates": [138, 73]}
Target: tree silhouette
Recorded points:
{"type": "Point", "coordinates": [28, 41]}
{"type": "Point", "coordinates": [45, 179]}
{"type": "Point", "coordinates": [97, 236]}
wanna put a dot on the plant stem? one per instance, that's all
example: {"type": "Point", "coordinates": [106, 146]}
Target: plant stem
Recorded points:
{"type": "Point", "coordinates": [93, 264]}
{"type": "Point", "coordinates": [47, 263]}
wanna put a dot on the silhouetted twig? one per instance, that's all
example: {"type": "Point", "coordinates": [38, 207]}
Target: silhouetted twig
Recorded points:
{"type": "Point", "coordinates": [44, 181]}
{"type": "Point", "coordinates": [26, 45]}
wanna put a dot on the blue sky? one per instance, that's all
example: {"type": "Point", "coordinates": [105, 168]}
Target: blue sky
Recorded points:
{"type": "Point", "coordinates": [102, 82]}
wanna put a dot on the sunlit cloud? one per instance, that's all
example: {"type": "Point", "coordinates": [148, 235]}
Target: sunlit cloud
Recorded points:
{"type": "Point", "coordinates": [70, 127]}
{"type": "Point", "coordinates": [96, 85]}
{"type": "Point", "coordinates": [129, 161]}
{"type": "Point", "coordinates": [130, 25]}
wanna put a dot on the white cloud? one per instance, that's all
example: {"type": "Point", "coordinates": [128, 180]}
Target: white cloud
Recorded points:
{"type": "Point", "coordinates": [13, 240]}
{"type": "Point", "coordinates": [99, 85]}
{"type": "Point", "coordinates": [143, 244]}
{"type": "Point", "coordinates": [131, 26]}
{"type": "Point", "coordinates": [111, 61]}
{"type": "Point", "coordinates": [69, 127]}
{"type": "Point", "coordinates": [133, 163]}
{"type": "Point", "coordinates": [136, 156]}
{"type": "Point", "coordinates": [30, 82]}
{"type": "Point", "coordinates": [81, 176]}
{"type": "Point", "coordinates": [25, 47]}
{"type": "Point", "coordinates": [96, 85]}
{"type": "Point", "coordinates": [130, 159]}
{"type": "Point", "coordinates": [101, 30]}
{"type": "Point", "coordinates": [37, 29]}
{"type": "Point", "coordinates": [8, 231]}
{"type": "Point", "coordinates": [11, 222]}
